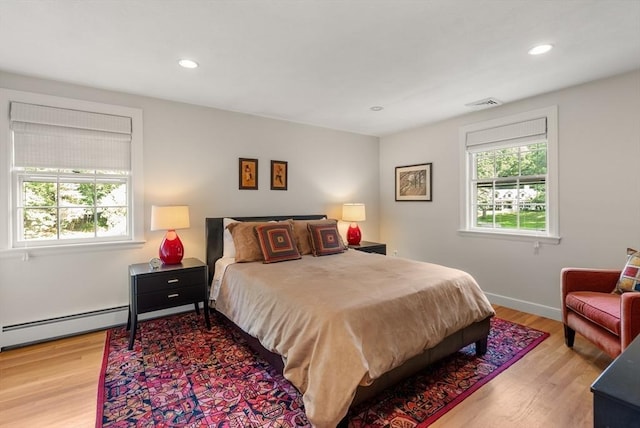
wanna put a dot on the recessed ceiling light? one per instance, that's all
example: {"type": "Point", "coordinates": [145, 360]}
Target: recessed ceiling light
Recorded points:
{"type": "Point", "coordinates": [376, 108]}
{"type": "Point", "coordinates": [188, 63]}
{"type": "Point", "coordinates": [540, 49]}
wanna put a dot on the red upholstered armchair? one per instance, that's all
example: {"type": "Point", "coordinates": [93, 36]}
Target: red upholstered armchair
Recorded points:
{"type": "Point", "coordinates": [610, 321]}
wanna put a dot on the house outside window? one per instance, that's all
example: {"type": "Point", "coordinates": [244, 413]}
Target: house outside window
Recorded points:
{"type": "Point", "coordinates": [510, 177]}
{"type": "Point", "coordinates": [74, 172]}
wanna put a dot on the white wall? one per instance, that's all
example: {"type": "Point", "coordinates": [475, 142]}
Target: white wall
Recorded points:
{"type": "Point", "coordinates": [190, 157]}
{"type": "Point", "coordinates": [599, 188]}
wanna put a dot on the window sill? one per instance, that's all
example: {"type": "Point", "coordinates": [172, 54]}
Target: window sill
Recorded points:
{"type": "Point", "coordinates": [510, 236]}
{"type": "Point", "coordinates": [25, 252]}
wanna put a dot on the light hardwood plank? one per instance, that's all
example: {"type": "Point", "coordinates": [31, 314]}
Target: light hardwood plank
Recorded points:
{"type": "Point", "coordinates": [54, 384]}
{"type": "Point", "coordinates": [51, 384]}
{"type": "Point", "coordinates": [549, 387]}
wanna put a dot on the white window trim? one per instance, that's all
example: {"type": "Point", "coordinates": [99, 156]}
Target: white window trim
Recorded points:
{"type": "Point", "coordinates": [552, 236]}
{"type": "Point", "coordinates": [137, 177]}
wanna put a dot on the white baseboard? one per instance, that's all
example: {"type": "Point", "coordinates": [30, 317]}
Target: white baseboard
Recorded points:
{"type": "Point", "coordinates": [49, 329]}
{"type": "Point", "coordinates": [524, 306]}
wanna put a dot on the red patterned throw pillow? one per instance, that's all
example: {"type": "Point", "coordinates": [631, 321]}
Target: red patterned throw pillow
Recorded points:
{"type": "Point", "coordinates": [277, 242]}
{"type": "Point", "coordinates": [325, 239]}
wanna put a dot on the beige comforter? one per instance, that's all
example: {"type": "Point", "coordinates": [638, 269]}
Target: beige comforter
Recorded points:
{"type": "Point", "coordinates": [345, 319]}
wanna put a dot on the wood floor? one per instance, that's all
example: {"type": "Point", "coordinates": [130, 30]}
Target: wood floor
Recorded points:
{"type": "Point", "coordinates": [55, 384]}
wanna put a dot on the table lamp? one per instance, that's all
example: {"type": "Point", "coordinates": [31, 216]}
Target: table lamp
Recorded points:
{"type": "Point", "coordinates": [353, 213]}
{"type": "Point", "coordinates": [170, 218]}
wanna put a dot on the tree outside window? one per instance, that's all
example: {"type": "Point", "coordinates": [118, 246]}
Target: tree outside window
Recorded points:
{"type": "Point", "coordinates": [66, 204]}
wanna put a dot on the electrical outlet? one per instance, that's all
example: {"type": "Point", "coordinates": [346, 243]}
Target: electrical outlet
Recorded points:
{"type": "Point", "coordinates": [395, 252]}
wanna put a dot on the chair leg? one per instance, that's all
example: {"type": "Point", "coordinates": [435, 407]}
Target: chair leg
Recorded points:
{"type": "Point", "coordinates": [569, 336]}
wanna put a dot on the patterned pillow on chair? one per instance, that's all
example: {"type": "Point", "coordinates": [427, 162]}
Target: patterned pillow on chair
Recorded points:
{"type": "Point", "coordinates": [630, 277]}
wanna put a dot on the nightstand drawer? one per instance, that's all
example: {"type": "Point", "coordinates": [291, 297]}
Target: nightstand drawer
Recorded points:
{"type": "Point", "coordinates": [171, 298]}
{"type": "Point", "coordinates": [170, 280]}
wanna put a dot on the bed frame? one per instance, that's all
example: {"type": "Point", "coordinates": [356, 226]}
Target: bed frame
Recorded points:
{"type": "Point", "coordinates": [475, 333]}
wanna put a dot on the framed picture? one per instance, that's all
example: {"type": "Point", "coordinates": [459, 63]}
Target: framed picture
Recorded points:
{"type": "Point", "coordinates": [248, 174]}
{"type": "Point", "coordinates": [278, 175]}
{"type": "Point", "coordinates": [413, 182]}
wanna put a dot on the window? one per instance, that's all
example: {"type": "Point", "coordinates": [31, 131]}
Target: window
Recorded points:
{"type": "Point", "coordinates": [75, 173]}
{"type": "Point", "coordinates": [509, 185]}
{"type": "Point", "coordinates": [65, 204]}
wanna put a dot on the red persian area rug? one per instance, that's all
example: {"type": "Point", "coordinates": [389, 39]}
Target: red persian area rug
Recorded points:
{"type": "Point", "coordinates": [181, 375]}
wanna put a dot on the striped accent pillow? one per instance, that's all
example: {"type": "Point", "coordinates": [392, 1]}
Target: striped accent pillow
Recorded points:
{"type": "Point", "coordinates": [277, 242]}
{"type": "Point", "coordinates": [325, 239]}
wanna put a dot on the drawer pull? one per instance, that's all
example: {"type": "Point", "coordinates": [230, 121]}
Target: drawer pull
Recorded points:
{"type": "Point", "coordinates": [172, 281]}
{"type": "Point", "coordinates": [173, 295]}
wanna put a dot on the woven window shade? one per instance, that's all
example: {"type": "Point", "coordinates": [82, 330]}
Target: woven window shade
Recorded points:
{"type": "Point", "coordinates": [518, 133]}
{"type": "Point", "coordinates": [51, 137]}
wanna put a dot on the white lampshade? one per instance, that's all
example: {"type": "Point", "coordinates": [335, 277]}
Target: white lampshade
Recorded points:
{"type": "Point", "coordinates": [169, 217]}
{"type": "Point", "coordinates": [353, 212]}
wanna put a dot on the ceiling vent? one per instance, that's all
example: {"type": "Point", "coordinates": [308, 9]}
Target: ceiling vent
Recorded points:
{"type": "Point", "coordinates": [485, 103]}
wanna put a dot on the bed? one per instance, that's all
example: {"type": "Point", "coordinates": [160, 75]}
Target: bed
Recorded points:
{"type": "Point", "coordinates": [343, 345]}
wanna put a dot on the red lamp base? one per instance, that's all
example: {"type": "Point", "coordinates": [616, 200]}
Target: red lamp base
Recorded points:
{"type": "Point", "coordinates": [353, 234]}
{"type": "Point", "coordinates": [171, 250]}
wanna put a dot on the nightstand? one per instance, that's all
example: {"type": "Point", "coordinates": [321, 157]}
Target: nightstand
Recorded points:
{"type": "Point", "coordinates": [371, 247]}
{"type": "Point", "coordinates": [166, 287]}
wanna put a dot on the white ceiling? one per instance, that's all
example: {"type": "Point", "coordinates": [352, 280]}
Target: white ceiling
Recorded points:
{"type": "Point", "coordinates": [323, 62]}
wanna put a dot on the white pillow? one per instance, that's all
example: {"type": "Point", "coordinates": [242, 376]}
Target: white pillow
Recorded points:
{"type": "Point", "coordinates": [228, 248]}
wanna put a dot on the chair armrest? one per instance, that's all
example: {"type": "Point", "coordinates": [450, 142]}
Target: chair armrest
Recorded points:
{"type": "Point", "coordinates": [583, 279]}
{"type": "Point", "coordinates": [629, 317]}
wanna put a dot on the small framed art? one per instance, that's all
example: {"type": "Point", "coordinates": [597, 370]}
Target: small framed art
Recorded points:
{"type": "Point", "coordinates": [278, 175]}
{"type": "Point", "coordinates": [248, 174]}
{"type": "Point", "coordinates": [413, 182]}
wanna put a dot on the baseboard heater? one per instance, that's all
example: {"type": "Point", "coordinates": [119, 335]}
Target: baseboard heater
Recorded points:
{"type": "Point", "coordinates": [63, 318]}
{"type": "Point", "coordinates": [32, 332]}
{"type": "Point", "coordinates": [28, 333]}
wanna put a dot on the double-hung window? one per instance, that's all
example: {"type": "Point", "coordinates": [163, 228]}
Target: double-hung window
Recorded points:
{"type": "Point", "coordinates": [510, 176]}
{"type": "Point", "coordinates": [73, 173]}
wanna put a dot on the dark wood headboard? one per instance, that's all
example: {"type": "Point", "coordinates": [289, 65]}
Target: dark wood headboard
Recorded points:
{"type": "Point", "coordinates": [214, 232]}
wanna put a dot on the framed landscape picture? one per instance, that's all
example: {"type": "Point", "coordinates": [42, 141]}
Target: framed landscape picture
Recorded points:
{"type": "Point", "coordinates": [278, 175]}
{"type": "Point", "coordinates": [413, 182]}
{"type": "Point", "coordinates": [248, 174]}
